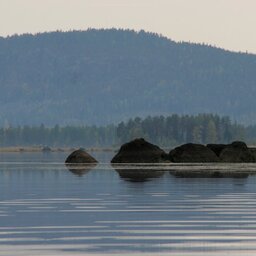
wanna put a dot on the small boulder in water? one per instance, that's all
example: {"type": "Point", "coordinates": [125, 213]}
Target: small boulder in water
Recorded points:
{"type": "Point", "coordinates": [80, 157]}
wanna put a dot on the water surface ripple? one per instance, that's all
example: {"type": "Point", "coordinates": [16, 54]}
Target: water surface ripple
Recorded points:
{"type": "Point", "coordinates": [46, 209]}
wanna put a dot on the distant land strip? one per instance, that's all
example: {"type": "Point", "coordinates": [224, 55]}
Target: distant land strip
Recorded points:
{"type": "Point", "coordinates": [165, 131]}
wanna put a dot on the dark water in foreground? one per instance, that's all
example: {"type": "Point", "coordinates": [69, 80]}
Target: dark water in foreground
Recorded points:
{"type": "Point", "coordinates": [45, 209]}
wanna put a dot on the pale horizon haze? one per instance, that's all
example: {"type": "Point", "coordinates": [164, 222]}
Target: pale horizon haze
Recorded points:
{"type": "Point", "coordinates": [227, 24]}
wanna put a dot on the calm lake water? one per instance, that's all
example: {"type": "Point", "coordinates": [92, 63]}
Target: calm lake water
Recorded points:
{"type": "Point", "coordinates": [46, 209]}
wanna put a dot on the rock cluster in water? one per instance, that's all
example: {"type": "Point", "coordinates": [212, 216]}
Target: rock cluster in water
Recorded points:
{"type": "Point", "coordinates": [141, 151]}
{"type": "Point", "coordinates": [236, 152]}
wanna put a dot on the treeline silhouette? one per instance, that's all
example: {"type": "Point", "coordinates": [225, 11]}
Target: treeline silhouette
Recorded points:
{"type": "Point", "coordinates": [166, 131]}
{"type": "Point", "coordinates": [173, 130]}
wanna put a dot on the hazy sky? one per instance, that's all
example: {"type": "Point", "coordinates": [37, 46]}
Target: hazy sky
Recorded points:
{"type": "Point", "coordinates": [228, 24]}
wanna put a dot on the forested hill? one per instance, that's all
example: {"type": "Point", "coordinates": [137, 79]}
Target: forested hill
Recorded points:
{"type": "Point", "coordinates": [104, 76]}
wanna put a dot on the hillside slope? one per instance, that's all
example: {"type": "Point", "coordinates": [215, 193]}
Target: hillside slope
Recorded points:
{"type": "Point", "coordinates": [104, 76]}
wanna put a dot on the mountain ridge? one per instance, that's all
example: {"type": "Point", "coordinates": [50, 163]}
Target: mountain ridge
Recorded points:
{"type": "Point", "coordinates": [108, 75]}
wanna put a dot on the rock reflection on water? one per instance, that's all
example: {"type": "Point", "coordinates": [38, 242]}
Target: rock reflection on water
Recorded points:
{"type": "Point", "coordinates": [208, 174]}
{"type": "Point", "coordinates": [80, 169]}
{"type": "Point", "coordinates": [138, 173]}
{"type": "Point", "coordinates": [220, 170]}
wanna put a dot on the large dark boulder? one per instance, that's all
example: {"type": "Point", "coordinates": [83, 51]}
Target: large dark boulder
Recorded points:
{"type": "Point", "coordinates": [192, 153]}
{"type": "Point", "coordinates": [253, 152]}
{"type": "Point", "coordinates": [80, 157]}
{"type": "Point", "coordinates": [237, 152]}
{"type": "Point", "coordinates": [140, 151]}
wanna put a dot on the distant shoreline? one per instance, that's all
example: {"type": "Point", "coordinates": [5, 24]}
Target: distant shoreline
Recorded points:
{"type": "Point", "coordinates": [39, 149]}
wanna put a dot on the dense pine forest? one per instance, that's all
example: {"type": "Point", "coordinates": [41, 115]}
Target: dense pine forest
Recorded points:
{"type": "Point", "coordinates": [166, 131]}
{"type": "Point", "coordinates": [99, 77]}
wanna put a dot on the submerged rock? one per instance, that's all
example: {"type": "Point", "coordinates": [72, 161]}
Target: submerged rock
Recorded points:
{"type": "Point", "coordinates": [193, 153]}
{"type": "Point", "coordinates": [237, 152]}
{"type": "Point", "coordinates": [80, 157]}
{"type": "Point", "coordinates": [140, 151]}
{"type": "Point", "coordinates": [46, 149]}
